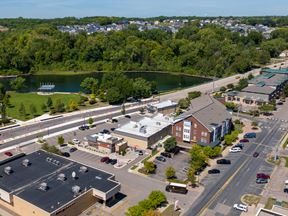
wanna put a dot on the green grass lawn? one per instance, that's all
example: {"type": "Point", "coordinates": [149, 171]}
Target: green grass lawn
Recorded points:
{"type": "Point", "coordinates": [32, 98]}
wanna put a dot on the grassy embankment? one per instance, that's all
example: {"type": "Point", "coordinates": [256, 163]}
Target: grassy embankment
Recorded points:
{"type": "Point", "coordinates": [33, 98]}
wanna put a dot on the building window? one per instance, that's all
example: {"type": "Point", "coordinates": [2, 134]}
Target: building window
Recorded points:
{"type": "Point", "coordinates": [195, 125]}
{"type": "Point", "coordinates": [204, 140]}
{"type": "Point", "coordinates": [194, 137]}
{"type": "Point", "coordinates": [178, 128]}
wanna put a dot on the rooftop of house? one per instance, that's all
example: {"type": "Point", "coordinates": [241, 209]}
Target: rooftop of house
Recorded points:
{"type": "Point", "coordinates": [36, 178]}
{"type": "Point", "coordinates": [259, 89]}
{"type": "Point", "coordinates": [275, 71]}
{"type": "Point", "coordinates": [164, 104]}
{"type": "Point", "coordinates": [250, 96]}
{"type": "Point", "coordinates": [206, 110]}
{"type": "Point", "coordinates": [101, 137]}
{"type": "Point", "coordinates": [269, 79]}
{"type": "Point", "coordinates": [146, 126]}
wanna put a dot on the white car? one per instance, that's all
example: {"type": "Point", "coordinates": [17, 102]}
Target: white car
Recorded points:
{"type": "Point", "coordinates": [235, 149]}
{"type": "Point", "coordinates": [240, 207]}
{"type": "Point", "coordinates": [76, 141]}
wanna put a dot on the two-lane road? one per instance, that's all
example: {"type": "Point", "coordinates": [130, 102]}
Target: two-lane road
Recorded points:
{"type": "Point", "coordinates": [239, 173]}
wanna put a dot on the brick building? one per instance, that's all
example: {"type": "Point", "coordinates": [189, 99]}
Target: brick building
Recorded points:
{"type": "Point", "coordinates": [206, 122]}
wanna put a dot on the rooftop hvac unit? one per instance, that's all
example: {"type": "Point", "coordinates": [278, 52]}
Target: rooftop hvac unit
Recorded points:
{"type": "Point", "coordinates": [76, 190]}
{"type": "Point", "coordinates": [8, 170]}
{"type": "Point", "coordinates": [61, 177]}
{"type": "Point", "coordinates": [26, 163]}
{"type": "Point", "coordinates": [158, 123]}
{"type": "Point", "coordinates": [43, 186]}
{"type": "Point", "coordinates": [83, 169]}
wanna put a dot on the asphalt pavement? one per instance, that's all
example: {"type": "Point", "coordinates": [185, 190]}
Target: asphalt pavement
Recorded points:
{"type": "Point", "coordinates": [220, 195]}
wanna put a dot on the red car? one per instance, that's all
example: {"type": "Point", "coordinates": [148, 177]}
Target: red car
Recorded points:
{"type": "Point", "coordinates": [9, 154]}
{"type": "Point", "coordinates": [104, 159]}
{"type": "Point", "coordinates": [244, 140]}
{"type": "Point", "coordinates": [262, 176]}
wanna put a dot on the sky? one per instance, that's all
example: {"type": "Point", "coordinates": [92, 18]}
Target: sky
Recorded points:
{"type": "Point", "coordinates": [140, 8]}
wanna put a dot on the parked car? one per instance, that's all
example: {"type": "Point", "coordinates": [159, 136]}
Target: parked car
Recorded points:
{"type": "Point", "coordinates": [84, 127]}
{"type": "Point", "coordinates": [63, 145]}
{"type": "Point", "coordinates": [244, 140]}
{"type": "Point", "coordinates": [112, 129]}
{"type": "Point", "coordinates": [9, 154]}
{"type": "Point", "coordinates": [235, 150]}
{"type": "Point", "coordinates": [105, 131]}
{"type": "Point", "coordinates": [239, 146]}
{"type": "Point", "coordinates": [255, 154]}
{"type": "Point", "coordinates": [250, 135]}
{"type": "Point", "coordinates": [261, 181]}
{"type": "Point", "coordinates": [66, 154]}
{"type": "Point", "coordinates": [198, 171]}
{"type": "Point", "coordinates": [166, 154]}
{"type": "Point", "coordinates": [113, 161]}
{"type": "Point", "coordinates": [262, 176]}
{"type": "Point", "coordinates": [139, 152]}
{"type": "Point", "coordinates": [127, 116]}
{"type": "Point", "coordinates": [160, 158]}
{"type": "Point", "coordinates": [240, 207]}
{"type": "Point", "coordinates": [76, 141]}
{"type": "Point", "coordinates": [223, 161]}
{"type": "Point", "coordinates": [104, 159]}
{"type": "Point", "coordinates": [280, 103]}
{"type": "Point", "coordinates": [286, 187]}
{"type": "Point", "coordinates": [73, 150]}
{"type": "Point", "coordinates": [175, 150]}
{"type": "Point", "coordinates": [213, 171]}
{"type": "Point", "coordinates": [114, 120]}
{"type": "Point", "coordinates": [108, 161]}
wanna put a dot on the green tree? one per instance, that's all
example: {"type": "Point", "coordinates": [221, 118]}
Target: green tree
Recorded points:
{"type": "Point", "coordinates": [285, 90]}
{"type": "Point", "coordinates": [170, 172]}
{"type": "Point", "coordinates": [49, 102]}
{"type": "Point", "coordinates": [59, 106]}
{"type": "Point", "coordinates": [231, 106]}
{"type": "Point", "coordinates": [89, 84]}
{"type": "Point", "coordinates": [44, 107]}
{"type": "Point", "coordinates": [22, 110]}
{"type": "Point", "coordinates": [194, 94]}
{"type": "Point", "coordinates": [60, 140]}
{"type": "Point", "coordinates": [113, 96]}
{"type": "Point", "coordinates": [18, 83]}
{"type": "Point", "coordinates": [149, 166]}
{"type": "Point", "coordinates": [198, 158]}
{"type": "Point", "coordinates": [136, 210]}
{"type": "Point", "coordinates": [266, 108]}
{"type": "Point", "coordinates": [183, 103]}
{"type": "Point", "coordinates": [157, 198]}
{"type": "Point", "coordinates": [145, 204]}
{"type": "Point", "coordinates": [191, 175]}
{"type": "Point", "coordinates": [223, 89]}
{"type": "Point", "coordinates": [90, 121]}
{"type": "Point", "coordinates": [170, 144]}
{"type": "Point", "coordinates": [230, 86]}
{"type": "Point", "coordinates": [3, 102]}
{"type": "Point", "coordinates": [33, 110]}
{"type": "Point", "coordinates": [141, 88]}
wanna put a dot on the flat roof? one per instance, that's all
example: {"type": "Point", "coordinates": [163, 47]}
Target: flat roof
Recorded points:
{"type": "Point", "coordinates": [24, 181]}
{"type": "Point", "coordinates": [164, 104]}
{"type": "Point", "coordinates": [269, 79]}
{"type": "Point", "coordinates": [146, 126]}
{"type": "Point", "coordinates": [101, 137]}
{"type": "Point", "coordinates": [276, 71]}
{"type": "Point", "coordinates": [259, 89]}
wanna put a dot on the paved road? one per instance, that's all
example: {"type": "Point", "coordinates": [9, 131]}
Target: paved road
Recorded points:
{"type": "Point", "coordinates": [238, 178]}
{"type": "Point", "coordinates": [23, 130]}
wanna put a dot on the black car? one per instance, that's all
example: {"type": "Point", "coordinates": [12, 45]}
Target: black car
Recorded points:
{"type": "Point", "coordinates": [213, 171]}
{"type": "Point", "coordinates": [63, 145]}
{"type": "Point", "coordinates": [112, 129]}
{"type": "Point", "coordinates": [73, 150]}
{"type": "Point", "coordinates": [81, 128]}
{"type": "Point", "coordinates": [113, 161]}
{"type": "Point", "coordinates": [114, 120]}
{"type": "Point", "coordinates": [160, 158]}
{"type": "Point", "coordinates": [175, 150]}
{"type": "Point", "coordinates": [166, 154]}
{"type": "Point", "coordinates": [86, 127]}
{"type": "Point", "coordinates": [105, 131]}
{"type": "Point", "coordinates": [127, 116]}
{"type": "Point", "coordinates": [285, 190]}
{"type": "Point", "coordinates": [66, 154]}
{"type": "Point", "coordinates": [223, 161]}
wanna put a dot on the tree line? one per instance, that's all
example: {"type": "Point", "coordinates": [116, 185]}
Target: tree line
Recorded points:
{"type": "Point", "coordinates": [208, 51]}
